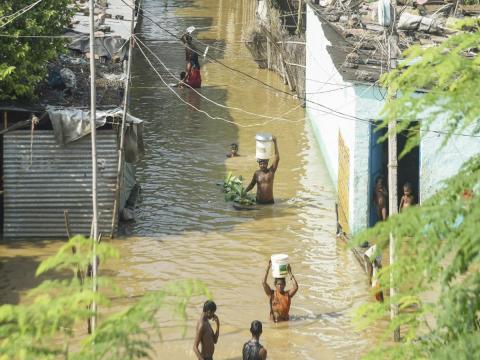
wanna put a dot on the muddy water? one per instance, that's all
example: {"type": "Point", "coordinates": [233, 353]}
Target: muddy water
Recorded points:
{"type": "Point", "coordinates": [185, 229]}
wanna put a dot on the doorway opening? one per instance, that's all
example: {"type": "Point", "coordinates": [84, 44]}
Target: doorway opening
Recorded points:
{"type": "Point", "coordinates": [408, 167]}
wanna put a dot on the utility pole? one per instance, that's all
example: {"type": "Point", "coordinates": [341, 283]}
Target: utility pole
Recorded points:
{"type": "Point", "coordinates": [124, 118]}
{"type": "Point", "coordinates": [392, 45]}
{"type": "Point", "coordinates": [299, 18]}
{"type": "Point", "coordinates": [93, 111]}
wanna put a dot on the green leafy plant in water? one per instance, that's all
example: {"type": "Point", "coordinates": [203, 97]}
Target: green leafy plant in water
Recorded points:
{"type": "Point", "coordinates": [46, 326]}
{"type": "Point", "coordinates": [234, 190]}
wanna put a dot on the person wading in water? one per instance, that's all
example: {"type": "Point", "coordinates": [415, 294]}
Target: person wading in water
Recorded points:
{"type": "Point", "coordinates": [280, 299]}
{"type": "Point", "coordinates": [205, 334]}
{"type": "Point", "coordinates": [193, 77]}
{"type": "Point", "coordinates": [253, 350]}
{"type": "Point", "coordinates": [264, 177]}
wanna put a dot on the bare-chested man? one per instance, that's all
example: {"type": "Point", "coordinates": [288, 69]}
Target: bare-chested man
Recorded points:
{"type": "Point", "coordinates": [205, 335]}
{"type": "Point", "coordinates": [264, 177]}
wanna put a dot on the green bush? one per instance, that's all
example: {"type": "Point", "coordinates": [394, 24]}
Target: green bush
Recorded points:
{"type": "Point", "coordinates": [23, 60]}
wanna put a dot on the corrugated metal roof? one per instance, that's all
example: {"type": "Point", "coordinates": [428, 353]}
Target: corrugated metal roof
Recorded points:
{"type": "Point", "coordinates": [59, 178]}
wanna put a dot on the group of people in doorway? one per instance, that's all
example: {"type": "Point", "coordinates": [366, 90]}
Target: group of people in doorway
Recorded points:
{"type": "Point", "coordinates": [191, 77]}
{"type": "Point", "coordinates": [381, 198]}
{"type": "Point", "coordinates": [374, 263]}
{"type": "Point", "coordinates": [279, 301]}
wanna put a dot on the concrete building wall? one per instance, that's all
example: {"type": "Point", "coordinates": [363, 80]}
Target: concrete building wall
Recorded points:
{"type": "Point", "coordinates": [335, 105]}
{"type": "Point", "coordinates": [332, 106]}
{"type": "Point", "coordinates": [439, 162]}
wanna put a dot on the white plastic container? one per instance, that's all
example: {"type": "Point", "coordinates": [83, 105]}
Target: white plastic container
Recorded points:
{"type": "Point", "coordinates": [264, 146]}
{"type": "Point", "coordinates": [279, 265]}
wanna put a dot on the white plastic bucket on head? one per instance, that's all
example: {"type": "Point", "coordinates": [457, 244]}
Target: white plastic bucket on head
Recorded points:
{"type": "Point", "coordinates": [279, 265]}
{"type": "Point", "coordinates": [264, 146]}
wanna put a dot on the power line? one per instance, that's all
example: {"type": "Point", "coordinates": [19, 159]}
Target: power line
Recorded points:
{"type": "Point", "coordinates": [210, 100]}
{"type": "Point", "coordinates": [19, 13]}
{"type": "Point", "coordinates": [331, 111]}
{"type": "Point", "coordinates": [248, 75]}
{"type": "Point", "coordinates": [245, 111]}
{"type": "Point", "coordinates": [271, 118]}
{"type": "Point", "coordinates": [37, 36]}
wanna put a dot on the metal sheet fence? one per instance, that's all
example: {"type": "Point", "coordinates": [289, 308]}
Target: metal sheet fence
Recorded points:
{"type": "Point", "coordinates": [40, 183]}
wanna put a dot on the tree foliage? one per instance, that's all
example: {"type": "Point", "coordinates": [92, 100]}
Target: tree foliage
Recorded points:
{"type": "Point", "coordinates": [450, 74]}
{"type": "Point", "coordinates": [23, 60]}
{"type": "Point", "coordinates": [47, 325]}
{"type": "Point", "coordinates": [437, 243]}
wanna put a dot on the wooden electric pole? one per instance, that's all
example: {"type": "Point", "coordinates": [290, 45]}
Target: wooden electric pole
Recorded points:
{"type": "Point", "coordinates": [392, 45]}
{"type": "Point", "coordinates": [93, 110]}
{"type": "Point", "coordinates": [124, 119]}
{"type": "Point", "coordinates": [299, 18]}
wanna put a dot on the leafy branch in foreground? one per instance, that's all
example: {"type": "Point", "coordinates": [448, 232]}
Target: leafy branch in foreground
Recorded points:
{"type": "Point", "coordinates": [438, 250]}
{"type": "Point", "coordinates": [450, 76]}
{"type": "Point", "coordinates": [437, 243]}
{"type": "Point", "coordinates": [49, 322]}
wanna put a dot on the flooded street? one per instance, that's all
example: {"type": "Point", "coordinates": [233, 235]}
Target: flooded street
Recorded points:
{"type": "Point", "coordinates": [185, 229]}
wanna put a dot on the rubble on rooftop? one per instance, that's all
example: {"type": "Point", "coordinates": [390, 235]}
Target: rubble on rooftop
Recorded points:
{"type": "Point", "coordinates": [423, 22]}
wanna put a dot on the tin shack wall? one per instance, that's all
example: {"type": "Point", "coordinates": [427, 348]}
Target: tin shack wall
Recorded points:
{"type": "Point", "coordinates": [40, 184]}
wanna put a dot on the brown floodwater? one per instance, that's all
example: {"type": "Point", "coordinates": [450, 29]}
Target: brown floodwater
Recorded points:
{"type": "Point", "coordinates": [185, 229]}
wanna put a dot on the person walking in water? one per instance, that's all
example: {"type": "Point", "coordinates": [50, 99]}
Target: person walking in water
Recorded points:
{"type": "Point", "coordinates": [264, 177]}
{"type": "Point", "coordinates": [280, 299]}
{"type": "Point", "coordinates": [205, 335]}
{"type": "Point", "coordinates": [193, 77]}
{"type": "Point", "coordinates": [252, 349]}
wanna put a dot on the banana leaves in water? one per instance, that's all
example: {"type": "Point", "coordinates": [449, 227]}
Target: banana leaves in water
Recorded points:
{"type": "Point", "coordinates": [234, 190]}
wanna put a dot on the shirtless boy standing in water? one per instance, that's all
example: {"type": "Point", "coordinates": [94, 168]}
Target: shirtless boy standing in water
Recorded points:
{"type": "Point", "coordinates": [280, 299]}
{"type": "Point", "coordinates": [205, 335]}
{"type": "Point", "coordinates": [264, 177]}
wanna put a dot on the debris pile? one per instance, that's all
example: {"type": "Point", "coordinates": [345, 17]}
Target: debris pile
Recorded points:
{"type": "Point", "coordinates": [363, 25]}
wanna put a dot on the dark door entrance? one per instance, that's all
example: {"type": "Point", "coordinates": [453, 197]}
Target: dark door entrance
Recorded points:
{"type": "Point", "coordinates": [408, 167]}
{"type": "Point", "coordinates": [378, 161]}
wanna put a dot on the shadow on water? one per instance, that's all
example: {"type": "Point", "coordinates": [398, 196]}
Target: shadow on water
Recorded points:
{"type": "Point", "coordinates": [13, 282]}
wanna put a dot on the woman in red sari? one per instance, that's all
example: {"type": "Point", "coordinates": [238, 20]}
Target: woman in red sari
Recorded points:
{"type": "Point", "coordinates": [193, 77]}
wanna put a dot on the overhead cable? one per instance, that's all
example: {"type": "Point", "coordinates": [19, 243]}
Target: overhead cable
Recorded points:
{"type": "Point", "coordinates": [19, 13]}
{"type": "Point", "coordinates": [330, 110]}
{"type": "Point", "coordinates": [210, 100]}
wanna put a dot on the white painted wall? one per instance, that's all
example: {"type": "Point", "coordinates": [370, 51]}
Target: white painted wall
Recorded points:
{"type": "Point", "coordinates": [329, 99]}
{"type": "Point", "coordinates": [262, 10]}
{"type": "Point", "coordinates": [322, 78]}
{"type": "Point", "coordinates": [439, 162]}
{"type": "Point", "coordinates": [326, 99]}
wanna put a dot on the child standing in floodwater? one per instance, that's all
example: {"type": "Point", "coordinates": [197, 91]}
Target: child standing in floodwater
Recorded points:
{"type": "Point", "coordinates": [233, 151]}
